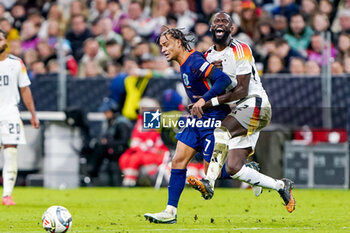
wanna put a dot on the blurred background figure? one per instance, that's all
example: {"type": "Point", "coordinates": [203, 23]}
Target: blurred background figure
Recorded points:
{"type": "Point", "coordinates": [147, 149]}
{"type": "Point", "coordinates": [114, 139]}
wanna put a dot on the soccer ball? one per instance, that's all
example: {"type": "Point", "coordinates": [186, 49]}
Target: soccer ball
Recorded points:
{"type": "Point", "coordinates": [57, 219]}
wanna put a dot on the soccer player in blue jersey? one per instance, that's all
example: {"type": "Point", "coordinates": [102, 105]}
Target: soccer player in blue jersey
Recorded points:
{"type": "Point", "coordinates": [200, 78]}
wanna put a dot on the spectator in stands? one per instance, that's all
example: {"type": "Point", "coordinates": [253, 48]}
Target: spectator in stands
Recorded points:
{"type": "Point", "coordinates": [346, 64]}
{"type": "Point", "coordinates": [296, 66]}
{"type": "Point", "coordinates": [139, 20]}
{"type": "Point", "coordinates": [55, 14]}
{"type": "Point", "coordinates": [185, 17]}
{"type": "Point", "coordinates": [285, 52]}
{"type": "Point", "coordinates": [344, 20]}
{"type": "Point", "coordinates": [264, 50]}
{"type": "Point", "coordinates": [209, 8]}
{"type": "Point", "coordinates": [16, 48]}
{"type": "Point", "coordinates": [201, 29]}
{"type": "Point", "coordinates": [45, 51]}
{"type": "Point", "coordinates": [312, 68]}
{"type": "Point", "coordinates": [275, 65]}
{"type": "Point", "coordinates": [236, 11]}
{"type": "Point", "coordinates": [160, 13]}
{"type": "Point", "coordinates": [29, 57]}
{"type": "Point", "coordinates": [131, 39]}
{"type": "Point", "coordinates": [337, 68]}
{"type": "Point", "coordinates": [77, 35]}
{"type": "Point", "coordinates": [77, 7]}
{"type": "Point", "coordinates": [29, 35]}
{"type": "Point", "coordinates": [317, 49]}
{"type": "Point", "coordinates": [107, 33]}
{"type": "Point", "coordinates": [18, 13]}
{"type": "Point", "coordinates": [114, 51]}
{"type": "Point", "coordinates": [147, 149]}
{"type": "Point", "coordinates": [113, 69]}
{"type": "Point", "coordinates": [298, 34]}
{"type": "Point", "coordinates": [326, 7]}
{"type": "Point", "coordinates": [117, 86]}
{"type": "Point", "coordinates": [286, 8]}
{"type": "Point", "coordinates": [320, 22]}
{"type": "Point", "coordinates": [115, 136]}
{"type": "Point", "coordinates": [94, 56]}
{"type": "Point", "coordinates": [53, 67]}
{"type": "Point", "coordinates": [116, 14]}
{"type": "Point", "coordinates": [91, 69]}
{"type": "Point", "coordinates": [12, 33]}
{"type": "Point", "coordinates": [249, 18]}
{"type": "Point", "coordinates": [308, 8]}
{"type": "Point", "coordinates": [95, 27]}
{"type": "Point", "coordinates": [38, 68]}
{"type": "Point", "coordinates": [99, 9]}
{"type": "Point", "coordinates": [53, 36]}
{"type": "Point", "coordinates": [343, 46]}
{"type": "Point", "coordinates": [204, 44]}
{"type": "Point", "coordinates": [35, 16]}
{"type": "Point", "coordinates": [280, 24]}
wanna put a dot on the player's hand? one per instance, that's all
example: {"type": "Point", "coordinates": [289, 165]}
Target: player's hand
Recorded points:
{"type": "Point", "coordinates": [197, 108]}
{"type": "Point", "coordinates": [35, 122]}
{"type": "Point", "coordinates": [189, 107]}
{"type": "Point", "coordinates": [217, 64]}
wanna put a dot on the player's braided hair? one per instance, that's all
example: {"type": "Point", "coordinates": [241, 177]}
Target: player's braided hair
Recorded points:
{"type": "Point", "coordinates": [176, 33]}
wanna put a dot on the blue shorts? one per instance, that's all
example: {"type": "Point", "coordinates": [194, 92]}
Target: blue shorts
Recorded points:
{"type": "Point", "coordinates": [202, 140]}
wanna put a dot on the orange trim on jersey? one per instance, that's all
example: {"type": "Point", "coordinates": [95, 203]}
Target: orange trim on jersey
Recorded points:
{"type": "Point", "coordinates": [191, 51]}
{"type": "Point", "coordinates": [208, 70]}
{"type": "Point", "coordinates": [247, 52]}
{"type": "Point", "coordinates": [241, 51]}
{"type": "Point", "coordinates": [206, 80]}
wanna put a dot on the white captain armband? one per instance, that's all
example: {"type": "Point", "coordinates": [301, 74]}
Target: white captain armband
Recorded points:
{"type": "Point", "coordinates": [214, 101]}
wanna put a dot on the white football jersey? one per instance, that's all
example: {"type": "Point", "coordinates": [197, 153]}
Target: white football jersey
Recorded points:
{"type": "Point", "coordinates": [237, 59]}
{"type": "Point", "coordinates": [13, 75]}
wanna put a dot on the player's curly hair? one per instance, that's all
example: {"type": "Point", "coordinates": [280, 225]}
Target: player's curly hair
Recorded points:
{"type": "Point", "coordinates": [176, 33]}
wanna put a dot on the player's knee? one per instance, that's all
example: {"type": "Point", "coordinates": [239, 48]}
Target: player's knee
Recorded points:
{"type": "Point", "coordinates": [233, 168]}
{"type": "Point", "coordinates": [178, 163]}
{"type": "Point", "coordinates": [222, 133]}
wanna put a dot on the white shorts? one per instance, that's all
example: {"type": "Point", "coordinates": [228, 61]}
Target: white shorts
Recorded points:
{"type": "Point", "coordinates": [253, 113]}
{"type": "Point", "coordinates": [12, 132]}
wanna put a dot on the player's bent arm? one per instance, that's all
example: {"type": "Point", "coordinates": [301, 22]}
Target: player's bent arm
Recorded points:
{"type": "Point", "coordinates": [221, 82]}
{"type": "Point", "coordinates": [29, 103]}
{"type": "Point", "coordinates": [239, 92]}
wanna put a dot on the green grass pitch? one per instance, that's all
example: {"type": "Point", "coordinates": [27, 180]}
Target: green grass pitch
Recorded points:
{"type": "Point", "coordinates": [231, 210]}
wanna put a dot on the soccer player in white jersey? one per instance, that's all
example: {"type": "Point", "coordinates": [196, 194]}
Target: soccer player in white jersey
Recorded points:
{"type": "Point", "coordinates": [236, 138]}
{"type": "Point", "coordinates": [13, 76]}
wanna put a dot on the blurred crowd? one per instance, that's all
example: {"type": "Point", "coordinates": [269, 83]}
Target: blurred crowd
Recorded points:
{"type": "Point", "coordinates": [111, 37]}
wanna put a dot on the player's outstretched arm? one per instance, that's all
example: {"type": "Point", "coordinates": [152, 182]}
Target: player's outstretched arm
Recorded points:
{"type": "Point", "coordinates": [29, 103]}
{"type": "Point", "coordinates": [239, 92]}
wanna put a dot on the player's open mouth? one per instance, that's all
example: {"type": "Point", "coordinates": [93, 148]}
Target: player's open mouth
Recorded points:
{"type": "Point", "coordinates": [219, 32]}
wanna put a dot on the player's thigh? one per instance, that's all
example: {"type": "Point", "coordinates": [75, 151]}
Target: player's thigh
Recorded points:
{"type": "Point", "coordinates": [183, 155]}
{"type": "Point", "coordinates": [252, 114]}
{"type": "Point", "coordinates": [234, 126]}
{"type": "Point", "coordinates": [12, 132]}
{"type": "Point", "coordinates": [236, 159]}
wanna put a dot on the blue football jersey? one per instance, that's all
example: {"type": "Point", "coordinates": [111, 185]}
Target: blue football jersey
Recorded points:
{"type": "Point", "coordinates": [198, 78]}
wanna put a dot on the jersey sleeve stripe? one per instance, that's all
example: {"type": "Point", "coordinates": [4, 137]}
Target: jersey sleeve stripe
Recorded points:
{"type": "Point", "coordinates": [207, 72]}
{"type": "Point", "coordinates": [204, 66]}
